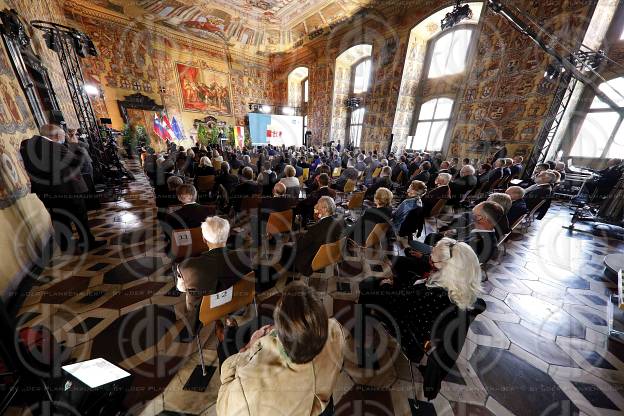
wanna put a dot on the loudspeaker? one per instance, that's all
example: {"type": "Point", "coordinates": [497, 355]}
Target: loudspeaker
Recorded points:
{"type": "Point", "coordinates": [56, 117]}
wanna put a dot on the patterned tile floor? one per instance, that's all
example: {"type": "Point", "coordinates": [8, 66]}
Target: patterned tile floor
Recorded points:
{"type": "Point", "coordinates": [540, 348]}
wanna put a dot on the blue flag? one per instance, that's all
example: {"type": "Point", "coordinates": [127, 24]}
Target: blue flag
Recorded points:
{"type": "Point", "coordinates": [177, 129]}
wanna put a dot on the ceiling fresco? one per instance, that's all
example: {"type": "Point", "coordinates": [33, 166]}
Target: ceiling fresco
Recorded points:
{"type": "Point", "coordinates": [264, 25]}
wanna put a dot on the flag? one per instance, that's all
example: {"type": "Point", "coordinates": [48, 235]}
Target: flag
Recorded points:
{"type": "Point", "coordinates": [239, 136]}
{"type": "Point", "coordinates": [166, 126]}
{"type": "Point", "coordinates": [177, 129]}
{"type": "Point", "coordinates": [158, 130]}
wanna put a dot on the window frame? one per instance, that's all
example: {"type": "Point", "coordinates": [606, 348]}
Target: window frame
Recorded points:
{"type": "Point", "coordinates": [417, 121]}
{"type": "Point", "coordinates": [304, 99]}
{"type": "Point", "coordinates": [354, 67]}
{"type": "Point", "coordinates": [431, 47]}
{"type": "Point", "coordinates": [350, 140]}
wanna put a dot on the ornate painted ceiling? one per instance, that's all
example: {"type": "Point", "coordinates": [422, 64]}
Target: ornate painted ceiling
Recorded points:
{"type": "Point", "coordinates": [263, 25]}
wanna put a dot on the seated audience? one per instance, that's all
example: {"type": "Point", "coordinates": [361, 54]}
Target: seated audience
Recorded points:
{"type": "Point", "coordinates": [518, 206]}
{"type": "Point", "coordinates": [204, 168]}
{"type": "Point", "coordinates": [454, 282]}
{"type": "Point", "coordinates": [350, 173]}
{"type": "Point", "coordinates": [484, 173]}
{"type": "Point", "coordinates": [306, 207]}
{"type": "Point", "coordinates": [504, 200]}
{"type": "Point", "coordinates": [383, 181]}
{"type": "Point", "coordinates": [541, 190]}
{"type": "Point", "coordinates": [213, 271]}
{"type": "Point", "coordinates": [381, 213]}
{"type": "Point", "coordinates": [166, 195]}
{"type": "Point", "coordinates": [290, 368]}
{"type": "Point", "coordinates": [422, 173]}
{"type": "Point", "coordinates": [442, 191]}
{"type": "Point", "coordinates": [191, 214]}
{"type": "Point", "coordinates": [290, 181]}
{"type": "Point", "coordinates": [267, 179]}
{"type": "Point", "coordinates": [415, 191]}
{"type": "Point", "coordinates": [246, 188]}
{"type": "Point", "coordinates": [466, 182]}
{"type": "Point", "coordinates": [226, 178]}
{"type": "Point", "coordinates": [327, 229]}
{"type": "Point", "coordinates": [517, 168]}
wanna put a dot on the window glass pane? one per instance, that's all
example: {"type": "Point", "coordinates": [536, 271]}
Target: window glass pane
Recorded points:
{"type": "Point", "coordinates": [357, 116]}
{"type": "Point", "coordinates": [459, 49]}
{"type": "Point", "coordinates": [594, 134]}
{"type": "Point", "coordinates": [614, 89]}
{"type": "Point", "coordinates": [422, 135]}
{"type": "Point", "coordinates": [305, 91]}
{"type": "Point", "coordinates": [362, 75]}
{"type": "Point", "coordinates": [427, 110]}
{"type": "Point", "coordinates": [617, 147]}
{"type": "Point", "coordinates": [443, 109]}
{"type": "Point", "coordinates": [440, 55]}
{"type": "Point", "coordinates": [436, 136]}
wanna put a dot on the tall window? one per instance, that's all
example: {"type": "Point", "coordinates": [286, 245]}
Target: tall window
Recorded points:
{"type": "Point", "coordinates": [361, 76]}
{"type": "Point", "coordinates": [602, 133]}
{"type": "Point", "coordinates": [305, 91]}
{"type": "Point", "coordinates": [355, 126]}
{"type": "Point", "coordinates": [305, 124]}
{"type": "Point", "coordinates": [433, 121]}
{"type": "Point", "coordinates": [449, 53]}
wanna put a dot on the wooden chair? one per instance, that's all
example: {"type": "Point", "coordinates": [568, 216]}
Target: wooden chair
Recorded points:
{"type": "Point", "coordinates": [336, 172]}
{"type": "Point", "coordinates": [328, 255]}
{"type": "Point", "coordinates": [435, 213]}
{"type": "Point", "coordinates": [187, 243]}
{"type": "Point", "coordinates": [213, 308]}
{"type": "Point", "coordinates": [377, 236]}
{"type": "Point", "coordinates": [279, 222]}
{"type": "Point", "coordinates": [306, 174]}
{"type": "Point", "coordinates": [356, 201]}
{"type": "Point", "coordinates": [376, 172]}
{"type": "Point", "coordinates": [349, 186]}
{"type": "Point", "coordinates": [205, 183]}
{"type": "Point", "coordinates": [531, 215]}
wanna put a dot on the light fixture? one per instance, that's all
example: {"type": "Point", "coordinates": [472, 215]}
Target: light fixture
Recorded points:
{"type": "Point", "coordinates": [552, 72]}
{"type": "Point", "coordinates": [91, 90]}
{"type": "Point", "coordinates": [288, 111]}
{"type": "Point", "coordinates": [265, 109]}
{"type": "Point", "coordinates": [455, 16]}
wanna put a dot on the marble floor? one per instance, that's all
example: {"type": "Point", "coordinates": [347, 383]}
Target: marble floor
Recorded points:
{"type": "Point", "coordinates": [541, 348]}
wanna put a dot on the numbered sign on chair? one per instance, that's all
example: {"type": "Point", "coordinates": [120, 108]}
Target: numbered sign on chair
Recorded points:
{"type": "Point", "coordinates": [221, 298]}
{"type": "Point", "coordinates": [183, 238]}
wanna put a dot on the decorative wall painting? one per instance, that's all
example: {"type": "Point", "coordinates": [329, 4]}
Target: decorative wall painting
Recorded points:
{"type": "Point", "coordinates": [204, 90]}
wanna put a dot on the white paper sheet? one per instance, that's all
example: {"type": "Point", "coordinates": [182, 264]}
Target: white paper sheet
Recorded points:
{"type": "Point", "coordinates": [96, 372]}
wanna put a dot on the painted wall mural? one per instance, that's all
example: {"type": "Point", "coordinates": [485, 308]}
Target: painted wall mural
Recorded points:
{"type": "Point", "coordinates": [204, 90]}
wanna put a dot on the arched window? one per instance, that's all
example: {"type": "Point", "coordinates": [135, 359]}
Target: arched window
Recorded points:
{"type": "Point", "coordinates": [305, 91]}
{"type": "Point", "coordinates": [602, 135]}
{"type": "Point", "coordinates": [355, 126]}
{"type": "Point", "coordinates": [433, 121]}
{"type": "Point", "coordinates": [361, 76]}
{"type": "Point", "coordinates": [449, 53]}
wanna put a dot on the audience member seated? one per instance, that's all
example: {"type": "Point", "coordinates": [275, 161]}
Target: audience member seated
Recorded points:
{"type": "Point", "coordinates": [312, 183]}
{"type": "Point", "coordinates": [191, 214]}
{"type": "Point", "coordinates": [466, 182]}
{"type": "Point", "coordinates": [204, 168]}
{"type": "Point", "coordinates": [441, 191]}
{"type": "Point", "coordinates": [539, 168]}
{"type": "Point", "coordinates": [381, 213]}
{"type": "Point", "coordinates": [414, 193]}
{"type": "Point", "coordinates": [608, 178]}
{"type": "Point", "coordinates": [267, 179]}
{"type": "Point", "coordinates": [454, 282]}
{"type": "Point", "coordinates": [350, 173]}
{"type": "Point", "coordinates": [560, 168]}
{"type": "Point", "coordinates": [247, 188]}
{"type": "Point", "coordinates": [383, 181]}
{"type": "Point", "coordinates": [247, 163]}
{"type": "Point", "coordinates": [290, 368]}
{"type": "Point", "coordinates": [213, 271]}
{"type": "Point", "coordinates": [306, 207]}
{"type": "Point", "coordinates": [516, 168]}
{"type": "Point", "coordinates": [422, 173]}
{"type": "Point", "coordinates": [290, 181]}
{"type": "Point", "coordinates": [518, 205]}
{"type": "Point", "coordinates": [328, 229]}
{"type": "Point", "coordinates": [502, 227]}
{"type": "Point", "coordinates": [226, 178]}
{"type": "Point", "coordinates": [397, 169]}
{"type": "Point", "coordinates": [166, 195]}
{"type": "Point", "coordinates": [484, 173]}
{"type": "Point", "coordinates": [541, 190]}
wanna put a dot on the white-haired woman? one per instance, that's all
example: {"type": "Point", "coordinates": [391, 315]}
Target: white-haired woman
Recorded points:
{"type": "Point", "coordinates": [205, 167]}
{"type": "Point", "coordinates": [455, 282]}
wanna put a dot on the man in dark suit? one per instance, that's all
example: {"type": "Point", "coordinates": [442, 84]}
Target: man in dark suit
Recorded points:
{"type": "Point", "coordinates": [213, 271]}
{"type": "Point", "coordinates": [328, 229]}
{"type": "Point", "coordinates": [191, 214]}
{"type": "Point", "coordinates": [226, 178]}
{"type": "Point", "coordinates": [306, 207]}
{"type": "Point", "coordinates": [518, 205]}
{"type": "Point", "coordinates": [441, 191]}
{"type": "Point", "coordinates": [422, 173]}
{"type": "Point", "coordinates": [464, 183]}
{"type": "Point", "coordinates": [517, 168]}
{"type": "Point", "coordinates": [383, 181]}
{"type": "Point", "coordinates": [247, 188]}
{"type": "Point", "coordinates": [55, 177]}
{"type": "Point", "coordinates": [541, 190]}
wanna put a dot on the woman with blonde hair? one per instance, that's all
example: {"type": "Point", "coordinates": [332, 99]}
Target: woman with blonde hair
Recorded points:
{"type": "Point", "coordinates": [416, 307]}
{"type": "Point", "coordinates": [204, 168]}
{"type": "Point", "coordinates": [379, 214]}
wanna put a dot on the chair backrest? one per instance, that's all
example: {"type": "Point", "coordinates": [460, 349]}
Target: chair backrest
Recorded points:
{"type": "Point", "coordinates": [336, 172]}
{"type": "Point", "coordinates": [518, 222]}
{"type": "Point", "coordinates": [187, 243]}
{"type": "Point", "coordinates": [306, 174]}
{"type": "Point", "coordinates": [437, 208]}
{"type": "Point", "coordinates": [349, 186]}
{"type": "Point", "coordinates": [250, 203]}
{"type": "Point", "coordinates": [400, 177]}
{"type": "Point", "coordinates": [279, 222]}
{"type": "Point", "coordinates": [378, 235]}
{"type": "Point", "coordinates": [328, 254]}
{"type": "Point", "coordinates": [413, 222]}
{"type": "Point", "coordinates": [205, 183]}
{"type": "Point", "coordinates": [356, 200]}
{"type": "Point", "coordinates": [376, 172]}
{"type": "Point", "coordinates": [242, 294]}
{"type": "Point", "coordinates": [293, 191]}
{"type": "Point", "coordinates": [536, 207]}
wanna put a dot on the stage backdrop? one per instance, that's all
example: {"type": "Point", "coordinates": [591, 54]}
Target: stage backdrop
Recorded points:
{"type": "Point", "coordinates": [276, 130]}
{"type": "Point", "coordinates": [204, 90]}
